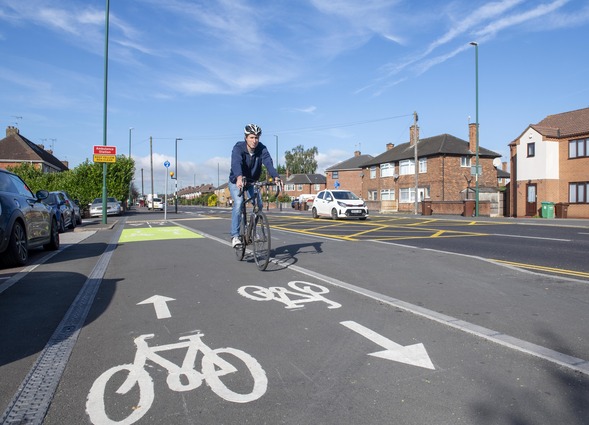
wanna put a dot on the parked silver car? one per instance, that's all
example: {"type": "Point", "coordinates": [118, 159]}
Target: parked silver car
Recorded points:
{"type": "Point", "coordinates": [113, 207]}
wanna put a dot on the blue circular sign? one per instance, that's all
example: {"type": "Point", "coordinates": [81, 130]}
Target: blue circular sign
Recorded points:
{"type": "Point", "coordinates": [167, 164]}
{"type": "Point", "coordinates": [337, 184]}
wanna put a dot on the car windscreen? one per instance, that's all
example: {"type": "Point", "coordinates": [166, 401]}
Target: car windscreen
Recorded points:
{"type": "Point", "coordinates": [51, 199]}
{"type": "Point", "coordinates": [344, 195]}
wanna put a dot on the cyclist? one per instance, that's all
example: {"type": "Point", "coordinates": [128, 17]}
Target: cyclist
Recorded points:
{"type": "Point", "coordinates": [247, 158]}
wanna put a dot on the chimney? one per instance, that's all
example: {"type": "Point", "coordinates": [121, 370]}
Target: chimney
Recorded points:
{"type": "Point", "coordinates": [504, 166]}
{"type": "Point", "coordinates": [11, 130]}
{"type": "Point", "coordinates": [41, 146]}
{"type": "Point", "coordinates": [413, 134]}
{"type": "Point", "coordinates": [390, 146]}
{"type": "Point", "coordinates": [472, 137]}
{"type": "Point", "coordinates": [49, 151]}
{"type": "Point", "coordinates": [357, 153]}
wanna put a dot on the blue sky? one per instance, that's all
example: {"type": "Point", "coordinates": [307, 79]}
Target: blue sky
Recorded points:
{"type": "Point", "coordinates": [341, 75]}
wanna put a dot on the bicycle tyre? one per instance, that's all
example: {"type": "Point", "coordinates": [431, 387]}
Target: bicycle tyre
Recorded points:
{"type": "Point", "coordinates": [261, 240]}
{"type": "Point", "coordinates": [240, 249]}
{"type": "Point", "coordinates": [97, 397]}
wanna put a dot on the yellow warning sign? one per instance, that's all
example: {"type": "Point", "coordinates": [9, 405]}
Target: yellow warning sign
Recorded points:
{"type": "Point", "coordinates": [105, 158]}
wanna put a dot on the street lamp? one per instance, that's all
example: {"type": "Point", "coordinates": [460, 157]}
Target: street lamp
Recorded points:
{"type": "Point", "coordinates": [277, 163]}
{"type": "Point", "coordinates": [176, 176]}
{"type": "Point", "coordinates": [130, 181]}
{"type": "Point", "coordinates": [476, 193]}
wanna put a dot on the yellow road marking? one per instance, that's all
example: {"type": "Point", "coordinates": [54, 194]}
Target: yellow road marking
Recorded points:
{"type": "Point", "coordinates": [544, 268]}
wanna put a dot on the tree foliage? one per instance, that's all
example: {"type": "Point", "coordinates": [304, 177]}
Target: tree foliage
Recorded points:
{"type": "Point", "coordinates": [84, 182]}
{"type": "Point", "coordinates": [301, 161]}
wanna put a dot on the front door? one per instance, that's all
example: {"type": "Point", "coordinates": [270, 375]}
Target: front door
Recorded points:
{"type": "Point", "coordinates": [531, 200]}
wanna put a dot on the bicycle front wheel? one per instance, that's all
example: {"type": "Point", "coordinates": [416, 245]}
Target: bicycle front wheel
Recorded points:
{"type": "Point", "coordinates": [261, 240]}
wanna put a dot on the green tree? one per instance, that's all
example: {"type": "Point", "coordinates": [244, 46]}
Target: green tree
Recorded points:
{"type": "Point", "coordinates": [301, 161]}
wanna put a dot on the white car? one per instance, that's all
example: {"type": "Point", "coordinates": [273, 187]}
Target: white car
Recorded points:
{"type": "Point", "coordinates": [113, 207]}
{"type": "Point", "coordinates": [156, 204]}
{"type": "Point", "coordinates": [339, 204]}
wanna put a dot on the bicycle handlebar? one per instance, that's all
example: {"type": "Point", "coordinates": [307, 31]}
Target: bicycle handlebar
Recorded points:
{"type": "Point", "coordinates": [259, 184]}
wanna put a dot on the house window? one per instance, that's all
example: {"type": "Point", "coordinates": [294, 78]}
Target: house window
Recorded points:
{"type": "Point", "coordinates": [387, 169]}
{"type": "Point", "coordinates": [387, 194]}
{"type": "Point", "coordinates": [407, 194]}
{"type": "Point", "coordinates": [423, 165]}
{"type": "Point", "coordinates": [465, 161]}
{"type": "Point", "coordinates": [373, 172]}
{"type": "Point", "coordinates": [578, 148]}
{"type": "Point", "coordinates": [289, 187]}
{"type": "Point", "coordinates": [316, 187]}
{"type": "Point", "coordinates": [406, 166]}
{"type": "Point", "coordinates": [335, 174]}
{"type": "Point", "coordinates": [531, 149]}
{"type": "Point", "coordinates": [299, 187]}
{"type": "Point", "coordinates": [578, 193]}
{"type": "Point", "coordinates": [372, 195]}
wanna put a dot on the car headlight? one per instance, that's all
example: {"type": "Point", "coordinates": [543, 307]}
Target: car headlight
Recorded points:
{"type": "Point", "coordinates": [342, 204]}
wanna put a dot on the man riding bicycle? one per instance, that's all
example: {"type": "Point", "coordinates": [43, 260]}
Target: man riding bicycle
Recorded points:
{"type": "Point", "coordinates": [247, 158]}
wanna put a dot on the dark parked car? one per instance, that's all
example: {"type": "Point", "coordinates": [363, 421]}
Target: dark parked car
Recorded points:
{"type": "Point", "coordinates": [25, 221]}
{"type": "Point", "coordinates": [64, 210]}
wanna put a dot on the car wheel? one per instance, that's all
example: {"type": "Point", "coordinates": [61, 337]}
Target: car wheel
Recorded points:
{"type": "Point", "coordinates": [362, 218]}
{"type": "Point", "coordinates": [18, 250]}
{"type": "Point", "coordinates": [333, 214]}
{"type": "Point", "coordinates": [314, 212]}
{"type": "Point", "coordinates": [53, 243]}
{"type": "Point", "coordinates": [61, 227]}
{"type": "Point", "coordinates": [73, 222]}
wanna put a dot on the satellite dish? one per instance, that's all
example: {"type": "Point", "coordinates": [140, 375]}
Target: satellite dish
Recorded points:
{"type": "Point", "coordinates": [497, 162]}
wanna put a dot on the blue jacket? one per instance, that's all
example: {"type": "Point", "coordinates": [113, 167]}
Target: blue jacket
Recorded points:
{"type": "Point", "coordinates": [250, 166]}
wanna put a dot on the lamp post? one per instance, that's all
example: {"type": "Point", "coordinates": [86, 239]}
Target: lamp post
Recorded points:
{"type": "Point", "coordinates": [130, 181]}
{"type": "Point", "coordinates": [176, 176]}
{"type": "Point", "coordinates": [476, 192]}
{"type": "Point", "coordinates": [277, 163]}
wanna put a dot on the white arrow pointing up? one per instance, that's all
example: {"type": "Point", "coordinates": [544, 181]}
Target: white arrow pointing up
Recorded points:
{"type": "Point", "coordinates": [159, 303]}
{"type": "Point", "coordinates": [415, 355]}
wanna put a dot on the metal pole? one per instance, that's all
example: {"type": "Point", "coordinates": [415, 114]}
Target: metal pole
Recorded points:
{"type": "Point", "coordinates": [414, 136]}
{"type": "Point", "coordinates": [131, 181]}
{"type": "Point", "coordinates": [104, 137]}
{"type": "Point", "coordinates": [166, 197]}
{"type": "Point", "coordinates": [151, 162]}
{"type": "Point", "coordinates": [476, 193]}
{"type": "Point", "coordinates": [176, 176]}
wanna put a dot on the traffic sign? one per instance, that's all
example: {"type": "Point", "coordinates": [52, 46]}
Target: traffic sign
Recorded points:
{"type": "Point", "coordinates": [105, 150]}
{"type": "Point", "coordinates": [167, 164]}
{"type": "Point", "coordinates": [105, 158]}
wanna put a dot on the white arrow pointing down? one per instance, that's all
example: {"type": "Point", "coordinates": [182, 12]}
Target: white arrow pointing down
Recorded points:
{"type": "Point", "coordinates": [414, 355]}
{"type": "Point", "coordinates": [160, 304]}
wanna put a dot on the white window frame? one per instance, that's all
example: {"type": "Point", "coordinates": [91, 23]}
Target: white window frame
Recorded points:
{"type": "Point", "coordinates": [373, 172]}
{"type": "Point", "coordinates": [465, 161]}
{"type": "Point", "coordinates": [387, 194]}
{"type": "Point", "coordinates": [373, 195]}
{"type": "Point", "coordinates": [406, 195]}
{"type": "Point", "coordinates": [387, 169]}
{"type": "Point", "coordinates": [406, 167]}
{"type": "Point", "coordinates": [423, 165]}
{"type": "Point", "coordinates": [289, 187]}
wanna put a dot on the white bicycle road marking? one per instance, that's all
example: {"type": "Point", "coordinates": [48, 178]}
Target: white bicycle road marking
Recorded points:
{"type": "Point", "coordinates": [180, 378]}
{"type": "Point", "coordinates": [305, 292]}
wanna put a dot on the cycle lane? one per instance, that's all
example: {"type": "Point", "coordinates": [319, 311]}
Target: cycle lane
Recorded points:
{"type": "Point", "coordinates": [314, 350]}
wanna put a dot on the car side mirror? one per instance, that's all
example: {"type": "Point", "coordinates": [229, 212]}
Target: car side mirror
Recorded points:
{"type": "Point", "coordinates": [42, 195]}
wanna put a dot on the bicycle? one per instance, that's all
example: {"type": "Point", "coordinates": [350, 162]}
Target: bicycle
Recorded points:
{"type": "Point", "coordinates": [256, 231]}
{"type": "Point", "coordinates": [182, 377]}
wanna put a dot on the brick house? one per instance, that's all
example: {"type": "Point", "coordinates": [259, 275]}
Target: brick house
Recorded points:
{"type": "Point", "coordinates": [348, 173]}
{"type": "Point", "coordinates": [444, 175]}
{"type": "Point", "coordinates": [550, 163]}
{"type": "Point", "coordinates": [299, 184]}
{"type": "Point", "coordinates": [16, 149]}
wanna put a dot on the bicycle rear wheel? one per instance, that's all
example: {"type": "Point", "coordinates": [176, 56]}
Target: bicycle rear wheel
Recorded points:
{"type": "Point", "coordinates": [240, 249]}
{"type": "Point", "coordinates": [261, 240]}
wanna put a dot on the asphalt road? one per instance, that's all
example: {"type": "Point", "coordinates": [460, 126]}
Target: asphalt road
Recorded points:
{"type": "Point", "coordinates": [341, 328]}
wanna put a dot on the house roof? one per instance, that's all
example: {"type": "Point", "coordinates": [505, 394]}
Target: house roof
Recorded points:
{"type": "Point", "coordinates": [564, 125]}
{"type": "Point", "coordinates": [443, 144]}
{"type": "Point", "coordinates": [502, 174]}
{"type": "Point", "coordinates": [17, 148]}
{"type": "Point", "coordinates": [306, 179]}
{"type": "Point", "coordinates": [353, 163]}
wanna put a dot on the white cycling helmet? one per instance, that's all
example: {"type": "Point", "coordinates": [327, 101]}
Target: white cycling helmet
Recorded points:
{"type": "Point", "coordinates": [252, 129]}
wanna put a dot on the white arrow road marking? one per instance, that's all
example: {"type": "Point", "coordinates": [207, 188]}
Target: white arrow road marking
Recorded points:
{"type": "Point", "coordinates": [159, 303]}
{"type": "Point", "coordinates": [414, 355]}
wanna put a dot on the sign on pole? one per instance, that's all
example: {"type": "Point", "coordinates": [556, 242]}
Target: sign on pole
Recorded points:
{"type": "Point", "coordinates": [104, 153]}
